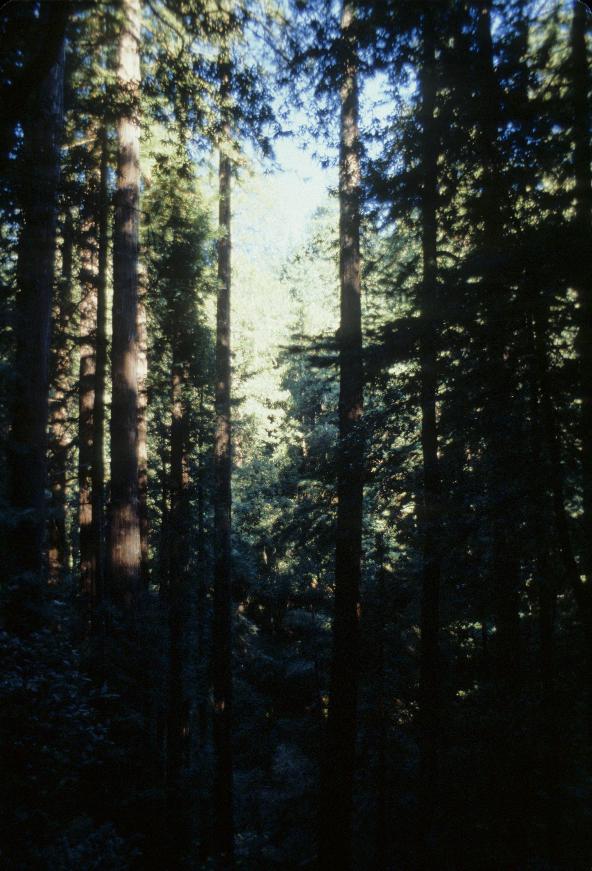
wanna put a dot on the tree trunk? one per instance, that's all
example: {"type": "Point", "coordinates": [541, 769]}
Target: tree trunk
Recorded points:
{"type": "Point", "coordinates": [501, 447]}
{"type": "Point", "coordinates": [143, 429]}
{"type": "Point", "coordinates": [164, 551]}
{"type": "Point", "coordinates": [59, 441]}
{"type": "Point", "coordinates": [429, 683]}
{"type": "Point", "coordinates": [27, 465]}
{"type": "Point", "coordinates": [124, 544]}
{"type": "Point", "coordinates": [89, 274]}
{"type": "Point", "coordinates": [502, 458]}
{"type": "Point", "coordinates": [98, 437]}
{"type": "Point", "coordinates": [177, 719]}
{"type": "Point", "coordinates": [203, 811]}
{"type": "Point", "coordinates": [223, 827]}
{"type": "Point", "coordinates": [337, 776]}
{"type": "Point", "coordinates": [47, 43]}
{"type": "Point", "coordinates": [382, 797]}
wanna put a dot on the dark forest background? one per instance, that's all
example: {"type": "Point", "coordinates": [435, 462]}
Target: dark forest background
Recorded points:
{"type": "Point", "coordinates": [326, 605]}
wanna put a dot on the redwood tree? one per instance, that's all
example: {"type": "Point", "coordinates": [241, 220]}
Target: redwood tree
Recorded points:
{"type": "Point", "coordinates": [42, 129]}
{"type": "Point", "coordinates": [339, 761]}
{"type": "Point", "coordinates": [59, 439]}
{"type": "Point", "coordinates": [124, 544]}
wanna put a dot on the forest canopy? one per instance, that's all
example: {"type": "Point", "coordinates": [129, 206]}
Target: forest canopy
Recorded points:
{"type": "Point", "coordinates": [296, 435]}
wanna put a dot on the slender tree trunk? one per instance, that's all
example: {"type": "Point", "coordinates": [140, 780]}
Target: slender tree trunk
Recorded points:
{"type": "Point", "coordinates": [502, 447]}
{"type": "Point", "coordinates": [502, 460]}
{"type": "Point", "coordinates": [98, 437]}
{"type": "Point", "coordinates": [164, 551]}
{"type": "Point", "coordinates": [27, 466]}
{"type": "Point", "coordinates": [89, 274]}
{"type": "Point", "coordinates": [177, 723]}
{"type": "Point", "coordinates": [382, 820]}
{"type": "Point", "coordinates": [337, 776]}
{"type": "Point", "coordinates": [143, 429]}
{"type": "Point", "coordinates": [203, 811]}
{"type": "Point", "coordinates": [583, 256]}
{"type": "Point", "coordinates": [223, 827]}
{"type": "Point", "coordinates": [59, 443]}
{"type": "Point", "coordinates": [429, 686]}
{"type": "Point", "coordinates": [124, 544]}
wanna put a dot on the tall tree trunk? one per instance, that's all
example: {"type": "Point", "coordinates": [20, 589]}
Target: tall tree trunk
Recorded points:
{"type": "Point", "coordinates": [124, 543]}
{"type": "Point", "coordinates": [59, 441]}
{"type": "Point", "coordinates": [382, 797]}
{"type": "Point", "coordinates": [143, 428]}
{"type": "Point", "coordinates": [429, 684]}
{"type": "Point", "coordinates": [583, 258]}
{"type": "Point", "coordinates": [164, 551]}
{"type": "Point", "coordinates": [27, 466]}
{"type": "Point", "coordinates": [177, 720]}
{"type": "Point", "coordinates": [501, 447]}
{"type": "Point", "coordinates": [502, 458]}
{"type": "Point", "coordinates": [203, 811]}
{"type": "Point", "coordinates": [89, 273]}
{"type": "Point", "coordinates": [223, 827]}
{"type": "Point", "coordinates": [98, 437]}
{"type": "Point", "coordinates": [47, 42]}
{"type": "Point", "coordinates": [338, 770]}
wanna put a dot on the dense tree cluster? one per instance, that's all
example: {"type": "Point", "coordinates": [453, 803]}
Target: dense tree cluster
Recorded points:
{"type": "Point", "coordinates": [297, 550]}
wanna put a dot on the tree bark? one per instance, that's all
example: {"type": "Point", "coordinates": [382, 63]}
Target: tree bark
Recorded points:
{"type": "Point", "coordinates": [502, 457]}
{"type": "Point", "coordinates": [501, 446]}
{"type": "Point", "coordinates": [59, 441]}
{"type": "Point", "coordinates": [124, 544]}
{"type": "Point", "coordinates": [223, 826]}
{"type": "Point", "coordinates": [89, 274]}
{"type": "Point", "coordinates": [143, 429]}
{"type": "Point", "coordinates": [382, 796]}
{"type": "Point", "coordinates": [337, 775]}
{"type": "Point", "coordinates": [429, 683]}
{"type": "Point", "coordinates": [177, 720]}
{"type": "Point", "coordinates": [47, 43]}
{"type": "Point", "coordinates": [27, 465]}
{"type": "Point", "coordinates": [98, 437]}
{"type": "Point", "coordinates": [203, 811]}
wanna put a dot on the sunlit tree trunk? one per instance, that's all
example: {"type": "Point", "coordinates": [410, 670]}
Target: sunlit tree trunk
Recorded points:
{"type": "Point", "coordinates": [124, 544]}
{"type": "Point", "coordinates": [59, 439]}
{"type": "Point", "coordinates": [89, 273]}
{"type": "Point", "coordinates": [27, 466]}
{"type": "Point", "coordinates": [143, 429]}
{"type": "Point", "coordinates": [337, 776]}
{"type": "Point", "coordinates": [98, 438]}
{"type": "Point", "coordinates": [430, 503]}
